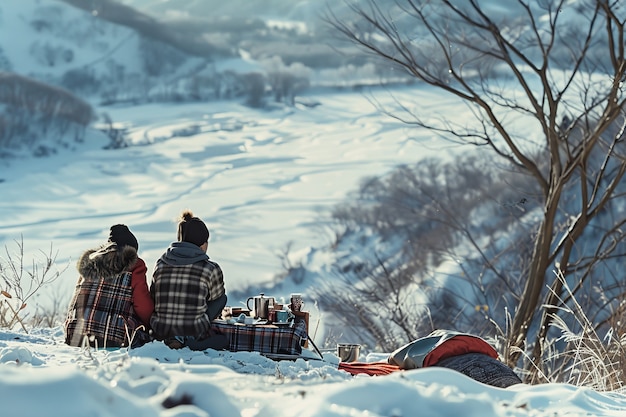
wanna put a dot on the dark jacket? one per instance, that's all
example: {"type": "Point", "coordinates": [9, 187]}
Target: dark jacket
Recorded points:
{"type": "Point", "coordinates": [184, 282]}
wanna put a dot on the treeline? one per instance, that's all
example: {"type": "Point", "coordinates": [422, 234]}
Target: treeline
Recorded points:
{"type": "Point", "coordinates": [36, 115]}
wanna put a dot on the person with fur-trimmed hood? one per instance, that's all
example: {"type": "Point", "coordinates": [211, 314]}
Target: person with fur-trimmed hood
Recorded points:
{"type": "Point", "coordinates": [111, 306]}
{"type": "Point", "coordinates": [188, 290]}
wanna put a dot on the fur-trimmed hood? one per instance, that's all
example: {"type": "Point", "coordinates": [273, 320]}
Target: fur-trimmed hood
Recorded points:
{"type": "Point", "coordinates": [106, 261]}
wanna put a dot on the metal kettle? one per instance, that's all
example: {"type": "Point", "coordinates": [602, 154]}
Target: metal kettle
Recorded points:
{"type": "Point", "coordinates": [261, 305]}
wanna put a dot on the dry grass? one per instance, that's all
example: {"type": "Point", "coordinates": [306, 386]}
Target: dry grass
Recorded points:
{"type": "Point", "coordinates": [583, 355]}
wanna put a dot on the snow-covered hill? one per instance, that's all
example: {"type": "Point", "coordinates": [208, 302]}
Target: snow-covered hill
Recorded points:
{"type": "Point", "coordinates": [56, 43]}
{"type": "Point", "coordinates": [108, 57]}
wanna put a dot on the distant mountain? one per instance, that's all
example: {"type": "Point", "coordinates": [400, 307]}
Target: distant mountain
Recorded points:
{"type": "Point", "coordinates": [59, 44]}
{"type": "Point", "coordinates": [109, 52]}
{"type": "Point", "coordinates": [152, 28]}
{"type": "Point", "coordinates": [293, 30]}
{"type": "Point", "coordinates": [306, 11]}
{"type": "Point", "coordinates": [112, 53]}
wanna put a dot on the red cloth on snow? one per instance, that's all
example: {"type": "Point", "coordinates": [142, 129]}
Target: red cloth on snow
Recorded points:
{"type": "Point", "coordinates": [369, 368]}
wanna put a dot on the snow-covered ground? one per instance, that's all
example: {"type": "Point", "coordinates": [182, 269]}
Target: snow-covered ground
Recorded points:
{"type": "Point", "coordinates": [40, 376]}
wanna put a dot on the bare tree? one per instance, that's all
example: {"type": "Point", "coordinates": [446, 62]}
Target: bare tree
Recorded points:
{"type": "Point", "coordinates": [21, 283]}
{"type": "Point", "coordinates": [285, 81]}
{"type": "Point", "coordinates": [255, 87]}
{"type": "Point", "coordinates": [563, 79]}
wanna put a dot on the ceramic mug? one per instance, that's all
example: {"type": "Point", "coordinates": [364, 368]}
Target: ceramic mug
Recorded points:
{"type": "Point", "coordinates": [283, 316]}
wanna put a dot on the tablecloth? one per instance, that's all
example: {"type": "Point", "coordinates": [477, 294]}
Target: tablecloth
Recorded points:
{"type": "Point", "coordinates": [269, 339]}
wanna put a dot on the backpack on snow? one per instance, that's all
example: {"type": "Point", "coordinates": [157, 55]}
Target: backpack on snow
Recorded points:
{"type": "Point", "coordinates": [438, 345]}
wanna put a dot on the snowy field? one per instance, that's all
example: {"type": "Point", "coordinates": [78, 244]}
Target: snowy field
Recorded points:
{"type": "Point", "coordinates": [261, 179]}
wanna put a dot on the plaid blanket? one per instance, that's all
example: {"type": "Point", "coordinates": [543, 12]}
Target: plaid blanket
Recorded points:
{"type": "Point", "coordinates": [263, 338]}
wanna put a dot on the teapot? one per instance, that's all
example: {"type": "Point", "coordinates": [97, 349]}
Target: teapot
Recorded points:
{"type": "Point", "coordinates": [261, 305]}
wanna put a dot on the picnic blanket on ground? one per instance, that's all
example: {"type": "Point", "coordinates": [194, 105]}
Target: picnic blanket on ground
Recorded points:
{"type": "Point", "coordinates": [268, 339]}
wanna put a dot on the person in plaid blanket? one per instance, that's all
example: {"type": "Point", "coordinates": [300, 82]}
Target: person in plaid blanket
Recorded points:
{"type": "Point", "coordinates": [111, 305]}
{"type": "Point", "coordinates": [188, 290]}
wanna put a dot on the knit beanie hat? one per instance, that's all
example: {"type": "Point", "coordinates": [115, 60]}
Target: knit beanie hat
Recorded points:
{"type": "Point", "coordinates": [121, 235]}
{"type": "Point", "coordinates": [191, 229]}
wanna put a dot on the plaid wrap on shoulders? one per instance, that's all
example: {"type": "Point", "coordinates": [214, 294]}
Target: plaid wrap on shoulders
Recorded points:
{"type": "Point", "coordinates": [181, 293]}
{"type": "Point", "coordinates": [101, 311]}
